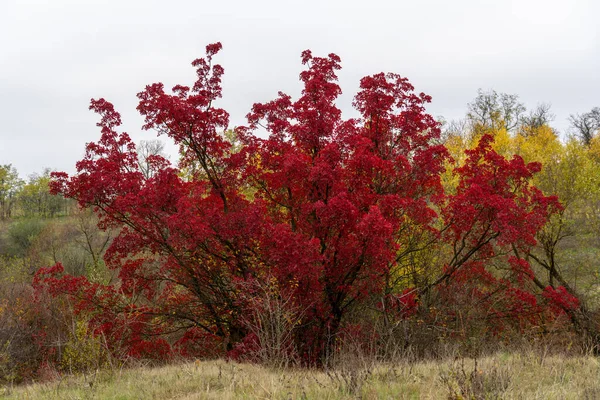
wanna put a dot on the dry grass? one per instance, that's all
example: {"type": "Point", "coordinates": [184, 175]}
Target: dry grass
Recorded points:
{"type": "Point", "coordinates": [503, 376]}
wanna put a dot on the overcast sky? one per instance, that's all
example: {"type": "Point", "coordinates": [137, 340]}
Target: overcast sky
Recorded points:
{"type": "Point", "coordinates": [57, 54]}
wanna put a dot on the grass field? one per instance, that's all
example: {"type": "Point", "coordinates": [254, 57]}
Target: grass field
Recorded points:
{"type": "Point", "coordinates": [503, 376]}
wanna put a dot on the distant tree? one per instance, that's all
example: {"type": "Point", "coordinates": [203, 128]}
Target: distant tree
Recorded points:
{"type": "Point", "coordinates": [493, 110]}
{"type": "Point", "coordinates": [537, 118]}
{"type": "Point", "coordinates": [586, 125]}
{"type": "Point", "coordinates": [35, 198]}
{"type": "Point", "coordinates": [453, 128]}
{"type": "Point", "coordinates": [147, 150]}
{"type": "Point", "coordinates": [10, 184]}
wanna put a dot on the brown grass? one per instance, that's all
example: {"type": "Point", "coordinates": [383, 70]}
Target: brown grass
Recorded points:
{"type": "Point", "coordinates": [502, 376]}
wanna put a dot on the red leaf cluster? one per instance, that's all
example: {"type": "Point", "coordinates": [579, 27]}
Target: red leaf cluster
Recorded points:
{"type": "Point", "coordinates": [328, 207]}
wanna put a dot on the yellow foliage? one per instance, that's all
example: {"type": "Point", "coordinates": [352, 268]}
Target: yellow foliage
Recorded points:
{"type": "Point", "coordinates": [503, 143]}
{"type": "Point", "coordinates": [594, 149]}
{"type": "Point", "coordinates": [568, 169]}
{"type": "Point", "coordinates": [83, 351]}
{"type": "Point", "coordinates": [540, 145]}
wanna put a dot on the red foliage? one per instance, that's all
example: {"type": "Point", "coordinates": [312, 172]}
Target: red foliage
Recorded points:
{"type": "Point", "coordinates": [404, 304]}
{"type": "Point", "coordinates": [561, 301]}
{"type": "Point", "coordinates": [325, 205]}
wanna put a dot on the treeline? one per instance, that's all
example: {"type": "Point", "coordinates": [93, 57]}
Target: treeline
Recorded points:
{"type": "Point", "coordinates": [31, 198]}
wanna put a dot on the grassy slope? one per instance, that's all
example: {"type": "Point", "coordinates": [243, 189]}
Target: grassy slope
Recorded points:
{"type": "Point", "coordinates": [505, 376]}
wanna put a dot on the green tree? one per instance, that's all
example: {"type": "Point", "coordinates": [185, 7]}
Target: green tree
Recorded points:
{"type": "Point", "coordinates": [10, 184]}
{"type": "Point", "coordinates": [36, 200]}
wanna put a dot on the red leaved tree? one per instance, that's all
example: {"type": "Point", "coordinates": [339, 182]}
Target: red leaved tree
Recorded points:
{"type": "Point", "coordinates": [324, 210]}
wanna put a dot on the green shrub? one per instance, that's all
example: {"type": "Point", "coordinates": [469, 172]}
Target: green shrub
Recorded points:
{"type": "Point", "coordinates": [21, 235]}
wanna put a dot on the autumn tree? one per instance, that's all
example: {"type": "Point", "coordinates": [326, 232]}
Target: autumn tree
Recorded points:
{"type": "Point", "coordinates": [147, 149]}
{"type": "Point", "coordinates": [35, 199]}
{"type": "Point", "coordinates": [494, 110]}
{"type": "Point", "coordinates": [10, 184]}
{"type": "Point", "coordinates": [537, 118]}
{"type": "Point", "coordinates": [328, 211]}
{"type": "Point", "coordinates": [586, 125]}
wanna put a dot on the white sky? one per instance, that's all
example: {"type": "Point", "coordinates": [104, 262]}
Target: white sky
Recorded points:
{"type": "Point", "coordinates": [57, 54]}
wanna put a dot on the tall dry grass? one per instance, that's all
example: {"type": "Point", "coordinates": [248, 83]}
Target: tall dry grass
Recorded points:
{"type": "Point", "coordinates": [530, 375]}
